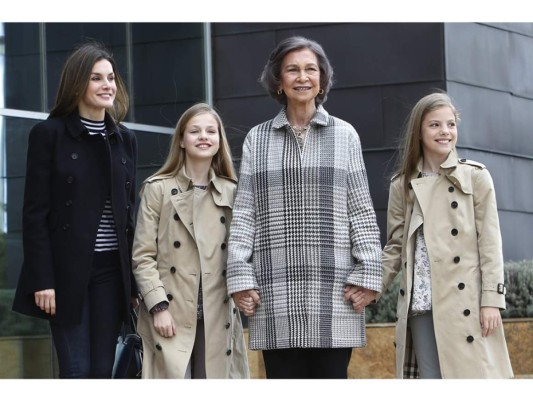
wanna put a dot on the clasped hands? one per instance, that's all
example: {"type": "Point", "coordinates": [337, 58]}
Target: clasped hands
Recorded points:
{"type": "Point", "coordinates": [359, 296]}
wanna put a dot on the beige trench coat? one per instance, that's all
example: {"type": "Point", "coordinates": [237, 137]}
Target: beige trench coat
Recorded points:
{"type": "Point", "coordinates": [181, 235]}
{"type": "Point", "coordinates": [461, 229]}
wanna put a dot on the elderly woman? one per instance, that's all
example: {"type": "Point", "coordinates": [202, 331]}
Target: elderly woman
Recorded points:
{"type": "Point", "coordinates": [304, 250]}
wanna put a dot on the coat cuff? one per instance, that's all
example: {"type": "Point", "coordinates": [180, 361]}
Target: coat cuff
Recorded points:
{"type": "Point", "coordinates": [491, 298]}
{"type": "Point", "coordinates": [155, 296]}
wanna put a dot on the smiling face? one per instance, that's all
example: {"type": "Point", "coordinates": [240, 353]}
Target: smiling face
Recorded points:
{"type": "Point", "coordinates": [300, 77]}
{"type": "Point", "coordinates": [201, 138]}
{"type": "Point", "coordinates": [100, 92]}
{"type": "Point", "coordinates": [438, 133]}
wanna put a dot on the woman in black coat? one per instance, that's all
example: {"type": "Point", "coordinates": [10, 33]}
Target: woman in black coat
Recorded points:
{"type": "Point", "coordinates": [78, 210]}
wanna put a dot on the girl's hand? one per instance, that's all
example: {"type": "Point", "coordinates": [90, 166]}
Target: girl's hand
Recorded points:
{"type": "Point", "coordinates": [490, 319]}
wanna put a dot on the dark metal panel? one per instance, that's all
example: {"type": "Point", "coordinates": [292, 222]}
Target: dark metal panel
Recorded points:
{"type": "Point", "coordinates": [64, 36]}
{"type": "Point", "coordinates": [517, 231]}
{"type": "Point", "coordinates": [520, 65]}
{"type": "Point", "coordinates": [164, 31]}
{"type": "Point", "coordinates": [221, 29]}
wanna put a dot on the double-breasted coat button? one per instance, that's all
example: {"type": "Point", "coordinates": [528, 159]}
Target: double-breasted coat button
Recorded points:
{"type": "Point", "coordinates": [174, 191]}
{"type": "Point", "coordinates": [66, 227]}
{"type": "Point", "coordinates": [456, 259]}
{"type": "Point", "coordinates": [454, 204]}
{"type": "Point", "coordinates": [226, 299]}
{"type": "Point", "coordinates": [158, 347]}
{"type": "Point", "coordinates": [74, 156]}
{"type": "Point", "coordinates": [223, 246]}
{"type": "Point", "coordinates": [176, 217]}
{"type": "Point", "coordinates": [234, 310]}
{"type": "Point", "coordinates": [470, 339]}
{"type": "Point", "coordinates": [123, 160]}
{"type": "Point", "coordinates": [169, 297]}
{"type": "Point", "coordinates": [128, 183]}
{"type": "Point", "coordinates": [463, 160]}
{"type": "Point", "coordinates": [451, 189]}
{"type": "Point", "coordinates": [177, 244]}
{"type": "Point", "coordinates": [68, 203]}
{"type": "Point", "coordinates": [228, 352]}
{"type": "Point", "coordinates": [454, 232]}
{"type": "Point", "coordinates": [227, 325]}
{"type": "Point", "coordinates": [70, 179]}
{"type": "Point", "coordinates": [223, 219]}
{"type": "Point", "coordinates": [461, 286]}
{"type": "Point", "coordinates": [224, 272]}
{"type": "Point", "coordinates": [173, 270]}
{"type": "Point", "coordinates": [466, 312]}
{"type": "Point", "coordinates": [402, 292]}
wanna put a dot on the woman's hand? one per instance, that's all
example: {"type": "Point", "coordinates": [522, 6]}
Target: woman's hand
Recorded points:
{"type": "Point", "coordinates": [164, 323]}
{"type": "Point", "coordinates": [359, 296]}
{"type": "Point", "coordinates": [490, 319]}
{"type": "Point", "coordinates": [247, 300]}
{"type": "Point", "coordinates": [46, 301]}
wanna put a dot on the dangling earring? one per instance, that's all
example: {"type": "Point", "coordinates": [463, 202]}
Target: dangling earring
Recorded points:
{"type": "Point", "coordinates": [280, 91]}
{"type": "Point", "coordinates": [321, 91]}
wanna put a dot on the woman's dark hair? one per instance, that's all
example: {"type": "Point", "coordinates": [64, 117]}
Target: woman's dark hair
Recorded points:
{"type": "Point", "coordinates": [271, 76]}
{"type": "Point", "coordinates": [75, 79]}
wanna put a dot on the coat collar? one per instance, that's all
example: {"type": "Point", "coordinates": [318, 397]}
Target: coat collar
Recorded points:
{"type": "Point", "coordinates": [450, 168]}
{"type": "Point", "coordinates": [222, 187]}
{"type": "Point", "coordinates": [76, 128]}
{"type": "Point", "coordinates": [321, 118]}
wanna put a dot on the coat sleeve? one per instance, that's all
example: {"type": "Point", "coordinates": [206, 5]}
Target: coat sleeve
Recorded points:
{"type": "Point", "coordinates": [364, 232]}
{"type": "Point", "coordinates": [240, 271]}
{"type": "Point", "coordinates": [38, 217]}
{"type": "Point", "coordinates": [144, 256]}
{"type": "Point", "coordinates": [489, 239]}
{"type": "Point", "coordinates": [392, 252]}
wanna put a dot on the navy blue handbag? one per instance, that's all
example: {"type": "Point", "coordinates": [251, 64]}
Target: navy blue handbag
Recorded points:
{"type": "Point", "coordinates": [128, 355]}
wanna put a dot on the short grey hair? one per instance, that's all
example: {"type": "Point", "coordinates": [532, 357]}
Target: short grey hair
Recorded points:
{"type": "Point", "coordinates": [271, 76]}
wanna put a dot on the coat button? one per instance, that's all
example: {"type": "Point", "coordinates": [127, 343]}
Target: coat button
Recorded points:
{"type": "Point", "coordinates": [405, 264]}
{"type": "Point", "coordinates": [456, 259]}
{"type": "Point", "coordinates": [402, 292]}
{"type": "Point", "coordinates": [224, 272]}
{"type": "Point", "coordinates": [169, 297]}
{"type": "Point", "coordinates": [461, 286]}
{"type": "Point", "coordinates": [451, 189]}
{"type": "Point", "coordinates": [223, 219]}
{"type": "Point", "coordinates": [174, 191]}
{"type": "Point", "coordinates": [466, 313]}
{"type": "Point", "coordinates": [176, 217]}
{"type": "Point", "coordinates": [158, 347]}
{"type": "Point", "coordinates": [454, 232]}
{"type": "Point", "coordinates": [227, 325]}
{"type": "Point", "coordinates": [70, 179]}
{"type": "Point", "coordinates": [228, 352]}
{"type": "Point", "coordinates": [123, 160]}
{"type": "Point", "coordinates": [463, 160]}
{"type": "Point", "coordinates": [226, 299]}
{"type": "Point", "coordinates": [470, 339]}
{"type": "Point", "coordinates": [223, 246]}
{"type": "Point", "coordinates": [177, 244]}
{"type": "Point", "coordinates": [74, 156]}
{"type": "Point", "coordinates": [454, 204]}
{"type": "Point", "coordinates": [234, 310]}
{"type": "Point", "coordinates": [66, 227]}
{"type": "Point", "coordinates": [173, 270]}
{"type": "Point", "coordinates": [128, 183]}
{"type": "Point", "coordinates": [68, 203]}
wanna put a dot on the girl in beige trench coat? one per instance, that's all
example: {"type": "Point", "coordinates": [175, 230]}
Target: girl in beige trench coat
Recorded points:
{"type": "Point", "coordinates": [189, 326]}
{"type": "Point", "coordinates": [455, 281]}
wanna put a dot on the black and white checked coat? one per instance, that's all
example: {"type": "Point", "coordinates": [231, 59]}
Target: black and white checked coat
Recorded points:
{"type": "Point", "coordinates": [304, 227]}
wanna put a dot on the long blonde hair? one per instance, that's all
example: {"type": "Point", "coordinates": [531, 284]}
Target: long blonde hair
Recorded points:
{"type": "Point", "coordinates": [222, 163]}
{"type": "Point", "coordinates": [411, 147]}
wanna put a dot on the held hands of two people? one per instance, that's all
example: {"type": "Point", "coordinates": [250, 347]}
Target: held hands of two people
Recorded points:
{"type": "Point", "coordinates": [247, 301]}
{"type": "Point", "coordinates": [359, 296]}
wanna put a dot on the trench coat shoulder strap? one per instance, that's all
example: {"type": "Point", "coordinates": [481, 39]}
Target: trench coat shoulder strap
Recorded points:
{"type": "Point", "coordinates": [473, 163]}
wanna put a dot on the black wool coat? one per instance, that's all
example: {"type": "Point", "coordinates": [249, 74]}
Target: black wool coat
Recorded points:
{"type": "Point", "coordinates": [69, 176]}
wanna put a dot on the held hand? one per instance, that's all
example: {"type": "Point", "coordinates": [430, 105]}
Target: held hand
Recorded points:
{"type": "Point", "coordinates": [46, 301]}
{"type": "Point", "coordinates": [164, 323]}
{"type": "Point", "coordinates": [359, 296]}
{"type": "Point", "coordinates": [490, 319]}
{"type": "Point", "coordinates": [247, 300]}
{"type": "Point", "coordinates": [134, 301]}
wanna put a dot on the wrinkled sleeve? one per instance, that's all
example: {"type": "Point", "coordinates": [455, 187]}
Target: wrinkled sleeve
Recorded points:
{"type": "Point", "coordinates": [364, 231]}
{"type": "Point", "coordinates": [144, 257]}
{"type": "Point", "coordinates": [240, 271]}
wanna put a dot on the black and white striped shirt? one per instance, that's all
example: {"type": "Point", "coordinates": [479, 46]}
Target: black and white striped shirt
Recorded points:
{"type": "Point", "coordinates": [106, 237]}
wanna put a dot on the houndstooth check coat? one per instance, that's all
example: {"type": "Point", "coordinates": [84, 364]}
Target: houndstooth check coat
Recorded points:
{"type": "Point", "coordinates": [304, 227]}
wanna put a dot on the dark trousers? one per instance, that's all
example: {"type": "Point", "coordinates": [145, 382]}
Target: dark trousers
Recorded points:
{"type": "Point", "coordinates": [312, 363]}
{"type": "Point", "coordinates": [87, 350]}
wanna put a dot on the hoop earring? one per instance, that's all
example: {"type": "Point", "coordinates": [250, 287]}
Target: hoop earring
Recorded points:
{"type": "Point", "coordinates": [280, 91]}
{"type": "Point", "coordinates": [321, 91]}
